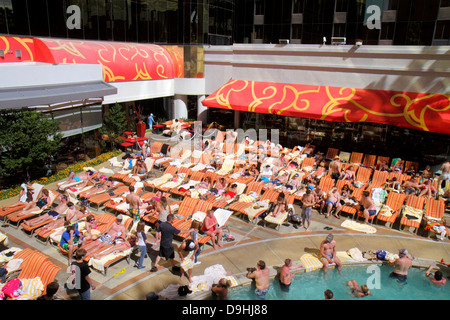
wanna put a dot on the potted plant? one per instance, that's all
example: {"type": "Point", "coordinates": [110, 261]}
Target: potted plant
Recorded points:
{"type": "Point", "coordinates": [140, 126]}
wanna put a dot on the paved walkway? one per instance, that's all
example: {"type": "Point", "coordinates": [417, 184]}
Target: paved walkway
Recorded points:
{"type": "Point", "coordinates": [253, 242]}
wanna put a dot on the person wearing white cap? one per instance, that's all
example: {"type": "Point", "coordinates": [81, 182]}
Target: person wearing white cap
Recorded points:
{"type": "Point", "coordinates": [401, 266]}
{"type": "Point", "coordinates": [187, 262]}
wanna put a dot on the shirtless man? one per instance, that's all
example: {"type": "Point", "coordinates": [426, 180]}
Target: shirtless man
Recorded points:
{"type": "Point", "coordinates": [134, 202]}
{"type": "Point", "coordinates": [319, 197]}
{"type": "Point", "coordinates": [286, 275]}
{"type": "Point", "coordinates": [367, 206]}
{"type": "Point", "coordinates": [437, 279]}
{"type": "Point", "coordinates": [261, 276]}
{"type": "Point", "coordinates": [307, 204]}
{"type": "Point", "coordinates": [445, 173]}
{"type": "Point", "coordinates": [61, 208]}
{"type": "Point", "coordinates": [411, 186]}
{"type": "Point", "coordinates": [333, 201]}
{"type": "Point", "coordinates": [401, 266]}
{"type": "Point", "coordinates": [328, 252]}
{"type": "Point", "coordinates": [114, 235]}
{"type": "Point", "coordinates": [335, 169]}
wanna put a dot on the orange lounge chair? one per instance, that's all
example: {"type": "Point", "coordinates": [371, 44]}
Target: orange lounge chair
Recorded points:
{"type": "Point", "coordinates": [394, 201]}
{"type": "Point", "coordinates": [326, 183]}
{"type": "Point", "coordinates": [356, 195]}
{"type": "Point", "coordinates": [153, 183]}
{"type": "Point", "coordinates": [434, 210]}
{"type": "Point", "coordinates": [254, 186]}
{"type": "Point", "coordinates": [408, 164]}
{"type": "Point", "coordinates": [362, 176]}
{"type": "Point", "coordinates": [186, 209]}
{"type": "Point", "coordinates": [378, 179]}
{"type": "Point", "coordinates": [282, 217]}
{"type": "Point", "coordinates": [128, 179]}
{"type": "Point", "coordinates": [356, 158]}
{"type": "Point", "coordinates": [270, 196]}
{"type": "Point", "coordinates": [308, 162]}
{"type": "Point", "coordinates": [331, 153]}
{"type": "Point", "coordinates": [417, 203]}
{"type": "Point", "coordinates": [380, 159]}
{"type": "Point", "coordinates": [369, 161]}
{"type": "Point", "coordinates": [99, 199]}
{"type": "Point", "coordinates": [14, 219]}
{"type": "Point", "coordinates": [196, 176]}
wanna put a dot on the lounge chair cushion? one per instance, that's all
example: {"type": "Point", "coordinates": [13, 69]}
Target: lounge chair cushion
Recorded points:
{"type": "Point", "coordinates": [411, 212]}
{"type": "Point", "coordinates": [386, 211]}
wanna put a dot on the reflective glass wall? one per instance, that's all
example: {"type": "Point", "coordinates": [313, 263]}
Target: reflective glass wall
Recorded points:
{"type": "Point", "coordinates": [150, 21]}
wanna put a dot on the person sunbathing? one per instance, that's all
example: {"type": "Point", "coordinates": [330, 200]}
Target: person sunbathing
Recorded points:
{"type": "Point", "coordinates": [52, 214]}
{"type": "Point", "coordinates": [392, 184]}
{"type": "Point", "coordinates": [140, 168]}
{"type": "Point", "coordinates": [116, 231]}
{"type": "Point", "coordinates": [427, 189]}
{"type": "Point", "coordinates": [74, 177]}
{"type": "Point", "coordinates": [119, 245]}
{"type": "Point", "coordinates": [266, 174]}
{"type": "Point", "coordinates": [35, 206]}
{"type": "Point", "coordinates": [292, 184]}
{"type": "Point", "coordinates": [104, 184]}
{"type": "Point", "coordinates": [280, 205]}
{"type": "Point", "coordinates": [280, 180]}
{"type": "Point", "coordinates": [383, 166]}
{"type": "Point", "coordinates": [25, 196]}
{"type": "Point", "coordinates": [411, 186]}
{"type": "Point", "coordinates": [230, 194]}
{"type": "Point", "coordinates": [333, 201]}
{"type": "Point", "coordinates": [252, 171]}
{"type": "Point", "coordinates": [348, 174]}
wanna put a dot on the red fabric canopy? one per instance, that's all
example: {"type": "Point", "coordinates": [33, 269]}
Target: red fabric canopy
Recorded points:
{"type": "Point", "coordinates": [420, 111]}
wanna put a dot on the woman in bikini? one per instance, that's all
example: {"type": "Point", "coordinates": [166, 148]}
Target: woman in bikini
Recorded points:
{"type": "Point", "coordinates": [280, 205]}
{"type": "Point", "coordinates": [36, 205]}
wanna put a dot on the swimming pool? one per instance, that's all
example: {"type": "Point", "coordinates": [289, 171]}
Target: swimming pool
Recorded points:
{"type": "Point", "coordinates": [311, 286]}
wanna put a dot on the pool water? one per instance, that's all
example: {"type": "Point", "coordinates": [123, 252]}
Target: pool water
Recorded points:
{"type": "Point", "coordinates": [311, 286]}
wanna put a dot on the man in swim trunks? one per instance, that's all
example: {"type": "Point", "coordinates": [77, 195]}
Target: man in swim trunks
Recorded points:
{"type": "Point", "coordinates": [328, 252]}
{"type": "Point", "coordinates": [445, 173]}
{"type": "Point", "coordinates": [367, 206]}
{"type": "Point", "coordinates": [261, 276]}
{"type": "Point", "coordinates": [333, 201]}
{"type": "Point", "coordinates": [401, 266]}
{"type": "Point", "coordinates": [134, 202]}
{"type": "Point", "coordinates": [335, 169]}
{"type": "Point", "coordinates": [286, 275]}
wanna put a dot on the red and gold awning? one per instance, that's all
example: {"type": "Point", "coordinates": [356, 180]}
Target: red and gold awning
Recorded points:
{"type": "Point", "coordinates": [420, 111]}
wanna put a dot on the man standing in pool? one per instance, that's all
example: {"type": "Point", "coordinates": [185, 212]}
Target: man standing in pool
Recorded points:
{"type": "Point", "coordinates": [401, 266]}
{"type": "Point", "coordinates": [261, 276]}
{"type": "Point", "coordinates": [328, 252]}
{"type": "Point", "coordinates": [286, 275]}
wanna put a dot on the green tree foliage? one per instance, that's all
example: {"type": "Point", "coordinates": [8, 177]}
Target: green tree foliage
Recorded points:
{"type": "Point", "coordinates": [27, 138]}
{"type": "Point", "coordinates": [115, 122]}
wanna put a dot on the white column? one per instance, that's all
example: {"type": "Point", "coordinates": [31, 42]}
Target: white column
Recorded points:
{"type": "Point", "coordinates": [202, 111]}
{"type": "Point", "coordinates": [180, 106]}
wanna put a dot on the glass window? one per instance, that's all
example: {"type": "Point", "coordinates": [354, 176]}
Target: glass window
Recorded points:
{"type": "Point", "coordinates": [339, 30]}
{"type": "Point", "coordinates": [387, 30]}
{"type": "Point", "coordinates": [259, 7]}
{"type": "Point", "coordinates": [259, 32]}
{"type": "Point", "coordinates": [442, 30]}
{"type": "Point", "coordinates": [296, 31]}
{"type": "Point", "coordinates": [297, 6]}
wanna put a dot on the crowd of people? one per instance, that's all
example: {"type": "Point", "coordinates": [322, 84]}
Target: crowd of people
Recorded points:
{"type": "Point", "coordinates": [275, 166]}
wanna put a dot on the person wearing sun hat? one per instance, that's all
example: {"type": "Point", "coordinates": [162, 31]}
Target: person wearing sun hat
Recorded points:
{"type": "Point", "coordinates": [401, 266]}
